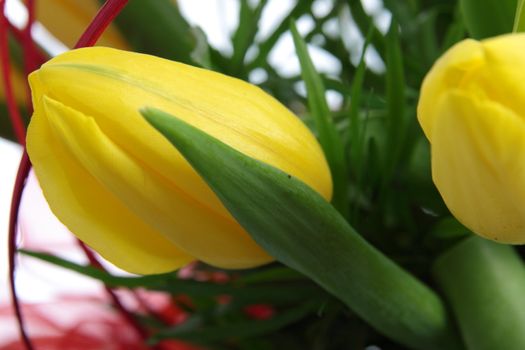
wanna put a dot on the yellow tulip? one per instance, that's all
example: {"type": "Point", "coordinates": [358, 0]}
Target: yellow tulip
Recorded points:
{"type": "Point", "coordinates": [67, 20]}
{"type": "Point", "coordinates": [472, 110]}
{"type": "Point", "coordinates": [122, 188]}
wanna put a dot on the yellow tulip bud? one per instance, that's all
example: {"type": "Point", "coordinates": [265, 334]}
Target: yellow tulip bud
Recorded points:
{"type": "Point", "coordinates": [472, 110]}
{"type": "Point", "coordinates": [121, 187]}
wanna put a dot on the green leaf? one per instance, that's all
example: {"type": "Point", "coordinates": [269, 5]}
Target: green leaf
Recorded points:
{"type": "Point", "coordinates": [299, 228]}
{"type": "Point", "coordinates": [395, 98]}
{"type": "Point", "coordinates": [244, 293]}
{"type": "Point", "coordinates": [365, 23]}
{"type": "Point", "coordinates": [357, 139]}
{"type": "Point", "coordinates": [487, 18]}
{"type": "Point", "coordinates": [328, 136]}
{"type": "Point", "coordinates": [418, 176]}
{"type": "Point", "coordinates": [429, 47]}
{"type": "Point", "coordinates": [244, 36]}
{"type": "Point", "coordinates": [266, 46]}
{"type": "Point", "coordinates": [355, 103]}
{"type": "Point", "coordinates": [157, 27]}
{"type": "Point", "coordinates": [449, 228]}
{"type": "Point", "coordinates": [280, 273]}
{"type": "Point", "coordinates": [519, 19]}
{"type": "Point", "coordinates": [455, 32]}
{"type": "Point", "coordinates": [93, 272]}
{"type": "Point", "coordinates": [239, 330]}
{"type": "Point", "coordinates": [485, 284]}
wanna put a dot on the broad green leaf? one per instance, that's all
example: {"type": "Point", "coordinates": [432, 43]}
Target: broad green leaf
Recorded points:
{"type": "Point", "coordinates": [485, 284]}
{"type": "Point", "coordinates": [519, 18]}
{"type": "Point", "coordinates": [299, 228]}
{"type": "Point", "coordinates": [487, 18]}
{"type": "Point", "coordinates": [328, 136]}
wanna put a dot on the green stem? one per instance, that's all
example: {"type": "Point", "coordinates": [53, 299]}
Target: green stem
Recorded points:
{"type": "Point", "coordinates": [485, 284]}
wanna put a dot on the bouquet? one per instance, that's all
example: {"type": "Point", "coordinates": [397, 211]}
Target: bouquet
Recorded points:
{"type": "Point", "coordinates": [375, 204]}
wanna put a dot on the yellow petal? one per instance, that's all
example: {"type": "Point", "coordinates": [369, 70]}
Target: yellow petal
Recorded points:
{"type": "Point", "coordinates": [67, 20]}
{"type": "Point", "coordinates": [90, 211]}
{"type": "Point", "coordinates": [158, 202]}
{"type": "Point", "coordinates": [237, 113]}
{"type": "Point", "coordinates": [448, 72]}
{"type": "Point", "coordinates": [477, 165]}
{"type": "Point", "coordinates": [501, 77]}
{"type": "Point", "coordinates": [229, 109]}
{"type": "Point", "coordinates": [94, 95]}
{"type": "Point", "coordinates": [486, 69]}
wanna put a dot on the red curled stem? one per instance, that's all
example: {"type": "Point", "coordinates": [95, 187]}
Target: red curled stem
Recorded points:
{"type": "Point", "coordinates": [14, 114]}
{"type": "Point", "coordinates": [39, 55]}
{"type": "Point", "coordinates": [30, 57]}
{"type": "Point", "coordinates": [22, 173]}
{"type": "Point", "coordinates": [21, 176]}
{"type": "Point", "coordinates": [103, 18]}
{"type": "Point", "coordinates": [93, 260]}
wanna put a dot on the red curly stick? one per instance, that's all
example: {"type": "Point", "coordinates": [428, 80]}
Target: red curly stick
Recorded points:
{"type": "Point", "coordinates": [103, 18]}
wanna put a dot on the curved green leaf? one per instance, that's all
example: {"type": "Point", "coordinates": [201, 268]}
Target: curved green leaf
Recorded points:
{"type": "Point", "coordinates": [329, 138]}
{"type": "Point", "coordinates": [247, 292]}
{"type": "Point", "coordinates": [485, 283]}
{"type": "Point", "coordinates": [299, 228]}
{"type": "Point", "coordinates": [487, 18]}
